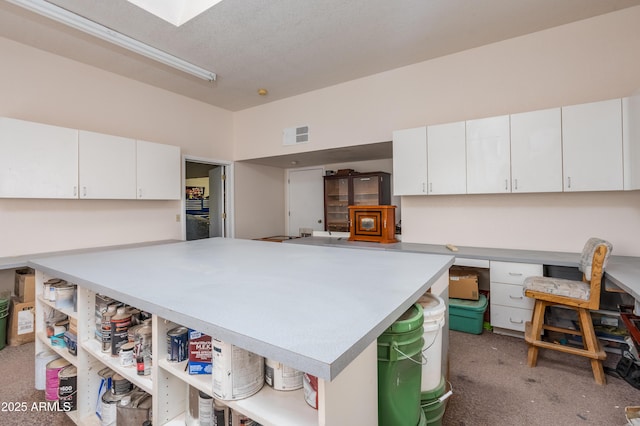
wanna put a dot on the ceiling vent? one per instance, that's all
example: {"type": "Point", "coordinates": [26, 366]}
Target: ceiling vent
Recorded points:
{"type": "Point", "coordinates": [295, 135]}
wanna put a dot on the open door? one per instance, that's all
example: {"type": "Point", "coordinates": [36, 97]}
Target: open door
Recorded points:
{"type": "Point", "coordinates": [205, 200]}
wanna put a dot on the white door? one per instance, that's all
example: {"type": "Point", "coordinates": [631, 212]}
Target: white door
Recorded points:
{"type": "Point", "coordinates": [488, 155]}
{"type": "Point", "coordinates": [37, 160]}
{"type": "Point", "coordinates": [216, 202]}
{"type": "Point", "coordinates": [446, 154]}
{"type": "Point", "coordinates": [306, 200]}
{"type": "Point", "coordinates": [592, 146]}
{"type": "Point", "coordinates": [536, 151]}
{"type": "Point", "coordinates": [410, 161]}
{"type": "Point", "coordinates": [107, 166]}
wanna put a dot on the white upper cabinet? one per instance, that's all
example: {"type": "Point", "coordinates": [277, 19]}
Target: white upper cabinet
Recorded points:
{"type": "Point", "coordinates": [536, 151]}
{"type": "Point", "coordinates": [592, 146]}
{"type": "Point", "coordinates": [410, 161]}
{"type": "Point", "coordinates": [446, 158]}
{"type": "Point", "coordinates": [107, 166]}
{"type": "Point", "coordinates": [631, 140]}
{"type": "Point", "coordinates": [488, 155]}
{"type": "Point", "coordinates": [158, 171]}
{"type": "Point", "coordinates": [37, 160]}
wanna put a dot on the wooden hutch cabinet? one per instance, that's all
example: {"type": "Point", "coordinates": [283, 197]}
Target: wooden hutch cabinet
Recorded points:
{"type": "Point", "coordinates": [358, 189]}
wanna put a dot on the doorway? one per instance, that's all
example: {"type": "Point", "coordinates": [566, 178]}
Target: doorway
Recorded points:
{"type": "Point", "coordinates": [206, 201]}
{"type": "Point", "coordinates": [305, 195]}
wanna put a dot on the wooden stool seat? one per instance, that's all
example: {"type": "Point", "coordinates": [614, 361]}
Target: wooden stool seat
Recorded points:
{"type": "Point", "coordinates": [579, 296]}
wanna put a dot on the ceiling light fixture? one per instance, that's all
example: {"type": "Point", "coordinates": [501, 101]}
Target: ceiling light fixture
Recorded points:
{"type": "Point", "coordinates": [78, 22]}
{"type": "Point", "coordinates": [175, 12]}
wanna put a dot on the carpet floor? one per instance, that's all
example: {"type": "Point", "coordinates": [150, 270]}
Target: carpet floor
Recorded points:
{"type": "Point", "coordinates": [491, 382]}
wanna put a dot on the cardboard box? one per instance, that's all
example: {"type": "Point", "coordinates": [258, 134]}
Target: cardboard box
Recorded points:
{"type": "Point", "coordinates": [463, 284]}
{"type": "Point", "coordinates": [22, 327]}
{"type": "Point", "coordinates": [25, 285]}
{"type": "Point", "coordinates": [200, 353]}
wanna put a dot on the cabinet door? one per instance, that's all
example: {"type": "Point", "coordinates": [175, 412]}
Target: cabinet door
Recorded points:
{"type": "Point", "coordinates": [446, 158]}
{"type": "Point", "coordinates": [370, 190]}
{"type": "Point", "coordinates": [107, 166]}
{"type": "Point", "coordinates": [158, 171]}
{"type": "Point", "coordinates": [410, 161]}
{"type": "Point", "coordinates": [336, 204]}
{"type": "Point", "coordinates": [536, 151]}
{"type": "Point", "coordinates": [488, 162]}
{"type": "Point", "coordinates": [37, 160]}
{"type": "Point", "coordinates": [631, 140]}
{"type": "Point", "coordinates": [592, 146]}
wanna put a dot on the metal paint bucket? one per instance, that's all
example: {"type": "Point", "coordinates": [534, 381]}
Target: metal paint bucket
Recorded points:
{"type": "Point", "coordinates": [237, 373]}
{"type": "Point", "coordinates": [51, 387]}
{"type": "Point", "coordinates": [280, 377]}
{"type": "Point", "coordinates": [177, 344]}
{"type": "Point", "coordinates": [68, 388]}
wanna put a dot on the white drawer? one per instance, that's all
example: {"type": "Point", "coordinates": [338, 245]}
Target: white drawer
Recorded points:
{"type": "Point", "coordinates": [509, 318]}
{"type": "Point", "coordinates": [509, 295]}
{"type": "Point", "coordinates": [513, 273]}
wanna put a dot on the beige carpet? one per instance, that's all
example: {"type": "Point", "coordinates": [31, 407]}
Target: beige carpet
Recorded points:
{"type": "Point", "coordinates": [491, 382]}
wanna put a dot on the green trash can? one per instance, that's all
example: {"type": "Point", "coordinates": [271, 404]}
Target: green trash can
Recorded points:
{"type": "Point", "coordinates": [400, 370]}
{"type": "Point", "coordinates": [432, 407]}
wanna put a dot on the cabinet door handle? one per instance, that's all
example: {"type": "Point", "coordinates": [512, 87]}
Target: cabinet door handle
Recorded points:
{"type": "Point", "coordinates": [515, 274]}
{"type": "Point", "coordinates": [515, 181]}
{"type": "Point", "coordinates": [430, 186]}
{"type": "Point", "coordinates": [75, 191]}
{"type": "Point", "coordinates": [506, 184]}
{"type": "Point", "coordinates": [515, 322]}
{"type": "Point", "coordinates": [515, 297]}
{"type": "Point", "coordinates": [423, 188]}
{"type": "Point", "coordinates": [139, 192]}
{"type": "Point", "coordinates": [568, 181]}
{"type": "Point", "coordinates": [84, 191]}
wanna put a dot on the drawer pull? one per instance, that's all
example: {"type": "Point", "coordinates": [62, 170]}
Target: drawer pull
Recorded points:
{"type": "Point", "coordinates": [515, 322]}
{"type": "Point", "coordinates": [515, 297]}
{"type": "Point", "coordinates": [515, 274]}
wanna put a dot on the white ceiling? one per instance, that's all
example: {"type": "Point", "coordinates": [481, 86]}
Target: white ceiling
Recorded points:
{"type": "Point", "coordinates": [290, 47]}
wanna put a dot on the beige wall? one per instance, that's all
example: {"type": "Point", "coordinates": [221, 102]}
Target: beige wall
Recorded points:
{"type": "Point", "coordinates": [259, 201]}
{"type": "Point", "coordinates": [586, 61]}
{"type": "Point", "coordinates": [38, 86]}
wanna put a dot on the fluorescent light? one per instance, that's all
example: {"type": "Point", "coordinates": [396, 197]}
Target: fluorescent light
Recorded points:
{"type": "Point", "coordinates": [175, 12]}
{"type": "Point", "coordinates": [78, 22]}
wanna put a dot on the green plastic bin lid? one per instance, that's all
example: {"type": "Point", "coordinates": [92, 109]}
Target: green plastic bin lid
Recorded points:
{"type": "Point", "coordinates": [472, 305]}
{"type": "Point", "coordinates": [410, 320]}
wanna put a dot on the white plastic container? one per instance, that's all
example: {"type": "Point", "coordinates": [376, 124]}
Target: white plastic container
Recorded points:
{"type": "Point", "coordinates": [434, 318]}
{"type": "Point", "coordinates": [237, 373]}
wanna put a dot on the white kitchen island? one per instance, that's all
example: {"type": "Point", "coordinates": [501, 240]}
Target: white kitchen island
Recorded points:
{"type": "Point", "coordinates": [316, 309]}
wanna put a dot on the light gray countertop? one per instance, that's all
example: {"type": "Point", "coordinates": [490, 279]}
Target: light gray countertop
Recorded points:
{"type": "Point", "coordinates": [623, 271]}
{"type": "Point", "coordinates": [313, 308]}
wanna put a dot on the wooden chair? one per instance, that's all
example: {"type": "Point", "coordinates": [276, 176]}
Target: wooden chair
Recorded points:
{"type": "Point", "coordinates": [582, 296]}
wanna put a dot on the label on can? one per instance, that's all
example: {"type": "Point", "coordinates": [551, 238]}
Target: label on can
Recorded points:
{"type": "Point", "coordinates": [177, 344]}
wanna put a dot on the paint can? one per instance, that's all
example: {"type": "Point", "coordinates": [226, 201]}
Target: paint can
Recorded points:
{"type": "Point", "coordinates": [42, 359]}
{"type": "Point", "coordinates": [221, 413]}
{"type": "Point", "coordinates": [239, 419]}
{"type": "Point", "coordinates": [68, 388]}
{"type": "Point", "coordinates": [177, 344]}
{"type": "Point", "coordinates": [106, 327]}
{"type": "Point", "coordinates": [310, 384]}
{"type": "Point", "coordinates": [120, 385]}
{"type": "Point", "coordinates": [126, 354]}
{"type": "Point", "coordinates": [280, 377]}
{"type": "Point", "coordinates": [109, 404]}
{"type": "Point", "coordinates": [237, 373]}
{"type": "Point", "coordinates": [120, 324]}
{"type": "Point", "coordinates": [51, 387]}
{"type": "Point", "coordinates": [205, 409]}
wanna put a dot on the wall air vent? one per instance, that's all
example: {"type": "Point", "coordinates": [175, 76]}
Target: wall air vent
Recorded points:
{"type": "Point", "coordinates": [295, 135]}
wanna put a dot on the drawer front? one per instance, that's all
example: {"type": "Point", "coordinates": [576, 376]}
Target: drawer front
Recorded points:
{"type": "Point", "coordinates": [509, 295]}
{"type": "Point", "coordinates": [509, 318]}
{"type": "Point", "coordinates": [513, 273]}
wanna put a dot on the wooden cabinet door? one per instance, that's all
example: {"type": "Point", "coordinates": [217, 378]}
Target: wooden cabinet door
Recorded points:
{"type": "Point", "coordinates": [446, 159]}
{"type": "Point", "coordinates": [488, 155]}
{"type": "Point", "coordinates": [536, 151]}
{"type": "Point", "coordinates": [158, 171]}
{"type": "Point", "coordinates": [592, 146]}
{"type": "Point", "coordinates": [410, 161]}
{"type": "Point", "coordinates": [107, 166]}
{"type": "Point", "coordinates": [37, 160]}
{"type": "Point", "coordinates": [337, 197]}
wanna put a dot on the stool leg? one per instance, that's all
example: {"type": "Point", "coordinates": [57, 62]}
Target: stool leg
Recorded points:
{"type": "Point", "coordinates": [591, 344]}
{"type": "Point", "coordinates": [536, 329]}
